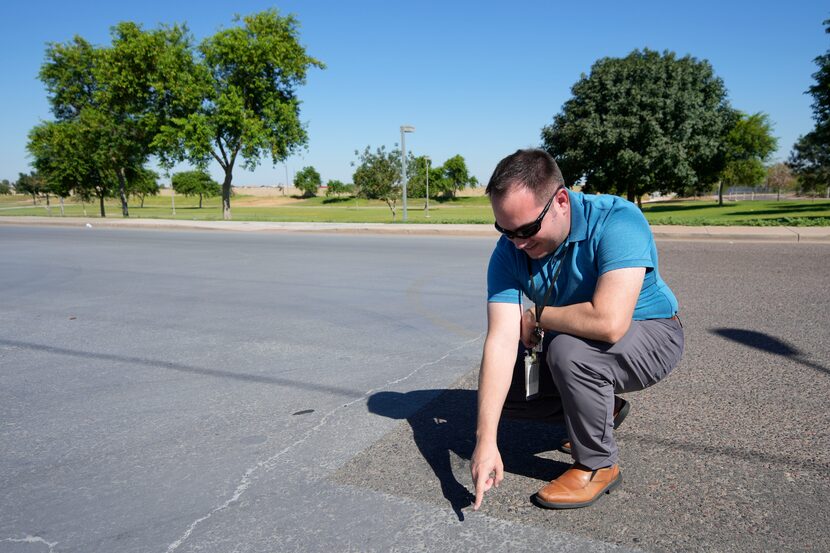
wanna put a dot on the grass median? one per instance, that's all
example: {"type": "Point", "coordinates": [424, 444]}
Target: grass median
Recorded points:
{"type": "Point", "coordinates": [464, 210]}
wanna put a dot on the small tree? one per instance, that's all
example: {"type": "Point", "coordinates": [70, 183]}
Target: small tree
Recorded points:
{"type": "Point", "coordinates": [308, 180]}
{"type": "Point", "coordinates": [457, 175]}
{"type": "Point", "coordinates": [5, 187]}
{"type": "Point", "coordinates": [337, 188]}
{"type": "Point", "coordinates": [780, 176]}
{"type": "Point", "coordinates": [195, 183]}
{"type": "Point", "coordinates": [143, 183]}
{"type": "Point", "coordinates": [378, 176]}
{"type": "Point", "coordinates": [31, 184]}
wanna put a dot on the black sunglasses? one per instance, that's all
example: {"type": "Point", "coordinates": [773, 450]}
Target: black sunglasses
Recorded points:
{"type": "Point", "coordinates": [530, 229]}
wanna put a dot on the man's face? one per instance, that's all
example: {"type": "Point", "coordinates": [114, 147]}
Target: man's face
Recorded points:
{"type": "Point", "coordinates": [520, 207]}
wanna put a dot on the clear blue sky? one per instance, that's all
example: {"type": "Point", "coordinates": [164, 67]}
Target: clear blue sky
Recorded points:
{"type": "Point", "coordinates": [475, 78]}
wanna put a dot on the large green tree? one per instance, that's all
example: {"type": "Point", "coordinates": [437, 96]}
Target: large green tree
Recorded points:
{"type": "Point", "coordinates": [308, 180]}
{"type": "Point", "coordinates": [69, 153]}
{"type": "Point", "coordinates": [109, 104]}
{"type": "Point", "coordinates": [248, 83]}
{"type": "Point", "coordinates": [647, 122]}
{"type": "Point", "coordinates": [748, 145]}
{"type": "Point", "coordinates": [147, 77]}
{"type": "Point", "coordinates": [810, 158]}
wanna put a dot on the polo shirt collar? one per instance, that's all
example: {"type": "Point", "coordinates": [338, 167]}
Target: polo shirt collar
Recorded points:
{"type": "Point", "coordinates": [579, 225]}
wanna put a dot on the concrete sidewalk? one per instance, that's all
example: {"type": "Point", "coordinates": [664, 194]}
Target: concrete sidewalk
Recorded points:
{"type": "Point", "coordinates": [673, 232]}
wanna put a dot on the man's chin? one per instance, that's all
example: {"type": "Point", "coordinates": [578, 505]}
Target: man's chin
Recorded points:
{"type": "Point", "coordinates": [536, 252]}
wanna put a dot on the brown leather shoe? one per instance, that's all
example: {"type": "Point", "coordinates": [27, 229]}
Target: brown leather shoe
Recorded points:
{"type": "Point", "coordinates": [621, 409]}
{"type": "Point", "coordinates": [578, 487]}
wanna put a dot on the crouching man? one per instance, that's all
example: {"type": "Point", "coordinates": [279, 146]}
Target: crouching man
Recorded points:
{"type": "Point", "coordinates": [603, 323]}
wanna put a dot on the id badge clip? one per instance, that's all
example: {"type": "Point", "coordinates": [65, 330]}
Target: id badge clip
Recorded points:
{"type": "Point", "coordinates": [531, 375]}
{"type": "Point", "coordinates": [532, 367]}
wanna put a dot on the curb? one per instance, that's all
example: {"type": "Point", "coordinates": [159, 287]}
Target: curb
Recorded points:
{"type": "Point", "coordinates": [661, 232]}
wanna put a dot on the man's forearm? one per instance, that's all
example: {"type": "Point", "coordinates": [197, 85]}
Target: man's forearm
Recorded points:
{"type": "Point", "coordinates": [586, 321]}
{"type": "Point", "coordinates": [607, 317]}
{"type": "Point", "coordinates": [493, 383]}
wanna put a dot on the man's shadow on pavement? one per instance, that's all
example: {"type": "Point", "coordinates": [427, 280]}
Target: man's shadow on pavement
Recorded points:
{"type": "Point", "coordinates": [448, 423]}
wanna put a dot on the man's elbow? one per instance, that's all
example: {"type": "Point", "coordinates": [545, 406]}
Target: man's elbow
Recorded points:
{"type": "Point", "coordinates": [615, 330]}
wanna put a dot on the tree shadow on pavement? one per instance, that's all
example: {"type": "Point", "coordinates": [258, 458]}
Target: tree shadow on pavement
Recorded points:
{"type": "Point", "coordinates": [446, 424]}
{"type": "Point", "coordinates": [769, 344]}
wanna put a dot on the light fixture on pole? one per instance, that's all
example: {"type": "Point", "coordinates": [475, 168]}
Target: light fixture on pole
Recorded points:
{"type": "Point", "coordinates": [428, 162]}
{"type": "Point", "coordinates": [404, 129]}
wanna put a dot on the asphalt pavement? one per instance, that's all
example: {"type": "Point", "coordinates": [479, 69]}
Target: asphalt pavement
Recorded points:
{"type": "Point", "coordinates": [273, 391]}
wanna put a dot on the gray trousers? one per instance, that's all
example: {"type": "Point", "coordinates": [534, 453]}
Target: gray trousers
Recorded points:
{"type": "Point", "coordinates": [579, 378]}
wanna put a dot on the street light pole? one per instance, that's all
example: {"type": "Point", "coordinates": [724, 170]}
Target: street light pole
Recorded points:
{"type": "Point", "coordinates": [428, 161]}
{"type": "Point", "coordinates": [404, 129]}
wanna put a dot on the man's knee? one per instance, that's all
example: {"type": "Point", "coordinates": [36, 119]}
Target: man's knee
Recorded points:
{"type": "Point", "coordinates": [566, 355]}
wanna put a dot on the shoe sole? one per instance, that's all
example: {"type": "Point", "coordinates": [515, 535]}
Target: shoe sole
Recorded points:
{"type": "Point", "coordinates": [618, 420]}
{"type": "Point", "coordinates": [607, 490]}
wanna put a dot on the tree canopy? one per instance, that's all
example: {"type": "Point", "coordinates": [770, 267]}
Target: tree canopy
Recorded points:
{"type": "Point", "coordinates": [647, 122]}
{"type": "Point", "coordinates": [378, 176]}
{"type": "Point", "coordinates": [152, 92]}
{"type": "Point", "coordinates": [195, 183]}
{"type": "Point", "coordinates": [748, 145]}
{"type": "Point", "coordinates": [810, 158]}
{"type": "Point", "coordinates": [780, 177]}
{"type": "Point", "coordinates": [247, 84]}
{"type": "Point", "coordinates": [308, 180]}
{"type": "Point", "coordinates": [109, 103]}
{"type": "Point", "coordinates": [336, 187]}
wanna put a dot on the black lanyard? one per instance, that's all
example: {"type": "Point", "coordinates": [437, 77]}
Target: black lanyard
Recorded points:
{"type": "Point", "coordinates": [541, 308]}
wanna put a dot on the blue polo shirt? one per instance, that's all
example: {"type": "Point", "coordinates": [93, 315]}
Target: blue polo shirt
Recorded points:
{"type": "Point", "coordinates": [607, 233]}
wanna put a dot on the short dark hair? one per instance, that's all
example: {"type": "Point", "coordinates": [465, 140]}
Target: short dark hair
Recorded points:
{"type": "Point", "coordinates": [535, 170]}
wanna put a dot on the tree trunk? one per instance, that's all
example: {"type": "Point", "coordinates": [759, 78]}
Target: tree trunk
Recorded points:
{"type": "Point", "coordinates": [200, 200]}
{"type": "Point", "coordinates": [226, 194]}
{"type": "Point", "coordinates": [61, 206]}
{"type": "Point", "coordinates": [48, 205]}
{"type": "Point", "coordinates": [101, 198]}
{"type": "Point", "coordinates": [630, 193]}
{"type": "Point", "coordinates": [122, 189]}
{"type": "Point", "coordinates": [720, 194]}
{"type": "Point", "coordinates": [640, 202]}
{"type": "Point", "coordinates": [34, 199]}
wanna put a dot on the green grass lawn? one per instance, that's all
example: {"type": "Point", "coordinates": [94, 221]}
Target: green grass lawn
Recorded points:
{"type": "Point", "coordinates": [461, 210]}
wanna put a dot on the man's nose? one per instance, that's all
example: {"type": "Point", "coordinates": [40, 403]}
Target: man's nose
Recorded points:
{"type": "Point", "coordinates": [520, 243]}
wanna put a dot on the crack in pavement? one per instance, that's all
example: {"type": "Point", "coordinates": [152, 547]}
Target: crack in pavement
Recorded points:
{"type": "Point", "coordinates": [271, 462]}
{"type": "Point", "coordinates": [33, 539]}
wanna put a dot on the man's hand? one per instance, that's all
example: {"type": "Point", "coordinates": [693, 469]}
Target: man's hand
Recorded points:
{"type": "Point", "coordinates": [529, 338]}
{"type": "Point", "coordinates": [487, 470]}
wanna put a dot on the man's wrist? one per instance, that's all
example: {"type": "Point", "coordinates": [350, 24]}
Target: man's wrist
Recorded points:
{"type": "Point", "coordinates": [485, 437]}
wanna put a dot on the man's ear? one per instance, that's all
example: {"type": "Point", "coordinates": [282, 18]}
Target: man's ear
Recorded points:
{"type": "Point", "coordinates": [562, 200]}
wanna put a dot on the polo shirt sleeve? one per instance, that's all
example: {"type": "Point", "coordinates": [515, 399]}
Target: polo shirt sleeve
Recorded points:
{"type": "Point", "coordinates": [626, 240]}
{"type": "Point", "coordinates": [502, 286]}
